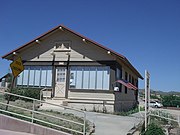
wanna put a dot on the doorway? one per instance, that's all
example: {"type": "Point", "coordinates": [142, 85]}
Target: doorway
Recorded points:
{"type": "Point", "coordinates": [60, 86]}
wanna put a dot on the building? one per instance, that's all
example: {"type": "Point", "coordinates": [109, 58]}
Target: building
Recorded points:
{"type": "Point", "coordinates": [80, 71]}
{"type": "Point", "coordinates": [5, 80]}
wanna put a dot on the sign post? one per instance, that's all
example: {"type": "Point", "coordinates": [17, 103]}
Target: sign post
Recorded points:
{"type": "Point", "coordinates": [16, 67]}
{"type": "Point", "coordinates": [147, 97]}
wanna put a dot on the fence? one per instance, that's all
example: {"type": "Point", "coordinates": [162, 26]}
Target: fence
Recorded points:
{"type": "Point", "coordinates": [28, 109]}
{"type": "Point", "coordinates": [165, 115]}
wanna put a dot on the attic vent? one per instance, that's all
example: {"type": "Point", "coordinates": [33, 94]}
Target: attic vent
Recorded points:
{"type": "Point", "coordinates": [62, 47]}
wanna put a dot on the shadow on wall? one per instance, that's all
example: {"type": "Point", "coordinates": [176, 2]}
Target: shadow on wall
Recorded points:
{"type": "Point", "coordinates": [123, 106]}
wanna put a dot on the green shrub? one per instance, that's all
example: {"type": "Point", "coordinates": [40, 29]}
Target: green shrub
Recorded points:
{"type": "Point", "coordinates": [27, 92]}
{"type": "Point", "coordinates": [127, 113]}
{"type": "Point", "coordinates": [153, 129]}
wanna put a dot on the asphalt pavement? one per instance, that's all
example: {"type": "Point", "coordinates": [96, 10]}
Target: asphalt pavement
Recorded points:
{"type": "Point", "coordinates": [108, 124]}
{"type": "Point", "coordinates": [105, 124]}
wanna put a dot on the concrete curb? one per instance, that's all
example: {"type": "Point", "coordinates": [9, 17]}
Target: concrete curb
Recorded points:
{"type": "Point", "coordinates": [135, 128]}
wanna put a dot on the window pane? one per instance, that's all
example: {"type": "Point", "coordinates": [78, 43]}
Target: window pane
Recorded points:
{"type": "Point", "coordinates": [79, 78]}
{"type": "Point", "coordinates": [126, 76]}
{"type": "Point", "coordinates": [99, 78]}
{"type": "Point", "coordinates": [73, 77]}
{"type": "Point", "coordinates": [132, 80]}
{"type": "Point", "coordinates": [92, 78]}
{"type": "Point", "coordinates": [43, 76]}
{"type": "Point", "coordinates": [85, 77]}
{"type": "Point", "coordinates": [31, 76]}
{"type": "Point", "coordinates": [106, 77]}
{"type": "Point", "coordinates": [25, 77]}
{"type": "Point", "coordinates": [61, 75]}
{"type": "Point", "coordinates": [118, 73]}
{"type": "Point", "coordinates": [49, 77]}
{"type": "Point", "coordinates": [19, 79]}
{"type": "Point", "coordinates": [37, 76]}
{"type": "Point", "coordinates": [129, 78]}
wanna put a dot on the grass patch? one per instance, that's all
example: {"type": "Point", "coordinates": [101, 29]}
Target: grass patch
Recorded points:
{"type": "Point", "coordinates": [122, 113]}
{"type": "Point", "coordinates": [162, 121]}
{"type": "Point", "coordinates": [39, 116]}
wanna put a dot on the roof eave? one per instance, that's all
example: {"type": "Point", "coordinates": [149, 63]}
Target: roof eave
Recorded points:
{"type": "Point", "coordinates": [25, 45]}
{"type": "Point", "coordinates": [78, 34]}
{"type": "Point", "coordinates": [139, 75]}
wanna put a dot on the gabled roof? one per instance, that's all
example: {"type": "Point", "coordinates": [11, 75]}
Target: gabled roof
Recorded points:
{"type": "Point", "coordinates": [123, 58]}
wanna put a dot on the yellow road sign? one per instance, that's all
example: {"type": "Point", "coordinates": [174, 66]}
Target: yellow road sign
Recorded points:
{"type": "Point", "coordinates": [17, 67]}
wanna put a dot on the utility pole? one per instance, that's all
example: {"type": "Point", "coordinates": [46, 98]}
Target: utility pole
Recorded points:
{"type": "Point", "coordinates": [147, 97]}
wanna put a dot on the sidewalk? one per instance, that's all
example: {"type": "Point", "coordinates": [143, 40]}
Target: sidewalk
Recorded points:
{"type": "Point", "coordinates": [107, 124]}
{"type": "Point", "coordinates": [8, 132]}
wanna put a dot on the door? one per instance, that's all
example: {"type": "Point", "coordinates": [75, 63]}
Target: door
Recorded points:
{"type": "Point", "coordinates": [60, 87]}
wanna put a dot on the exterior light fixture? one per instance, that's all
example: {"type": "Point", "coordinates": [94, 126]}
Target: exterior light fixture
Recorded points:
{"type": "Point", "coordinates": [37, 41]}
{"type": "Point", "coordinates": [61, 28]}
{"type": "Point", "coordinates": [14, 53]}
{"type": "Point", "coordinates": [84, 40]}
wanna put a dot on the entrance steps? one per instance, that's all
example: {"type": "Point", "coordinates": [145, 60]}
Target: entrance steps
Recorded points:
{"type": "Point", "coordinates": [50, 104]}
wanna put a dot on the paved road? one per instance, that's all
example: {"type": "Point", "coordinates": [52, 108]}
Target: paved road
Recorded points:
{"type": "Point", "coordinates": [107, 124]}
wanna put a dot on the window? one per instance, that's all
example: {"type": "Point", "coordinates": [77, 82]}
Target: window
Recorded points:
{"type": "Point", "coordinates": [43, 76]}
{"type": "Point", "coordinates": [79, 77]}
{"type": "Point", "coordinates": [106, 77]}
{"type": "Point", "coordinates": [61, 75]}
{"type": "Point", "coordinates": [49, 76]}
{"type": "Point", "coordinates": [31, 76]}
{"type": "Point", "coordinates": [92, 78]}
{"type": "Point", "coordinates": [85, 77]}
{"type": "Point", "coordinates": [72, 78]}
{"type": "Point", "coordinates": [3, 82]}
{"type": "Point", "coordinates": [118, 77]}
{"type": "Point", "coordinates": [99, 78]}
{"type": "Point", "coordinates": [118, 74]}
{"type": "Point", "coordinates": [35, 76]}
{"type": "Point", "coordinates": [129, 78]}
{"type": "Point", "coordinates": [136, 82]}
{"type": "Point", "coordinates": [132, 80]}
{"type": "Point", "coordinates": [25, 77]}
{"type": "Point", "coordinates": [126, 78]}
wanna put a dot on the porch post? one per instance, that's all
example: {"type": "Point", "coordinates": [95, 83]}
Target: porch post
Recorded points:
{"type": "Point", "coordinates": [53, 75]}
{"type": "Point", "coordinates": [67, 77]}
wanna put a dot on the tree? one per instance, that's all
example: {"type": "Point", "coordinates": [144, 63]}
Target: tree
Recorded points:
{"type": "Point", "coordinates": [170, 101]}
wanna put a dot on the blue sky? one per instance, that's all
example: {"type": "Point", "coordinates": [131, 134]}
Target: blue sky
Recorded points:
{"type": "Point", "coordinates": [146, 32]}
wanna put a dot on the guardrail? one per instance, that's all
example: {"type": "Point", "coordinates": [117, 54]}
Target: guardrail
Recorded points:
{"type": "Point", "coordinates": [34, 111]}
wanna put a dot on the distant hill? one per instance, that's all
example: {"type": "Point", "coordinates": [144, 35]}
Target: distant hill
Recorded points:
{"type": "Point", "coordinates": [158, 92]}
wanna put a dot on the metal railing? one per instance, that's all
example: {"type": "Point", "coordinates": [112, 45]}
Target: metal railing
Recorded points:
{"type": "Point", "coordinates": [41, 93]}
{"type": "Point", "coordinates": [34, 111]}
{"type": "Point", "coordinates": [165, 115]}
